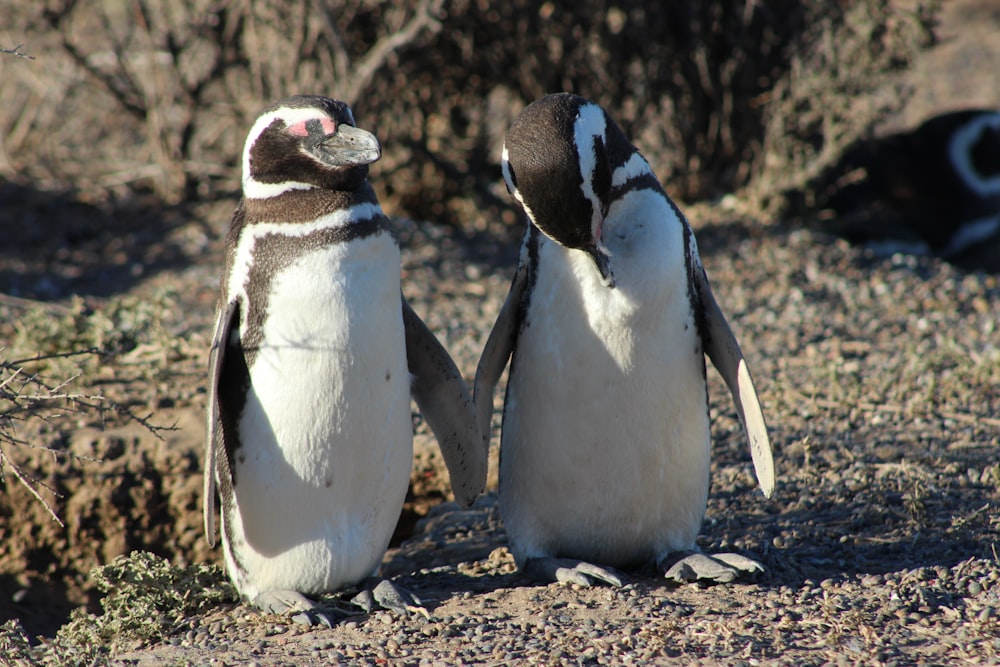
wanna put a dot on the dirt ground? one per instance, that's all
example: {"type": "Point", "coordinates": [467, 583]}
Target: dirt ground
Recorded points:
{"type": "Point", "coordinates": [879, 376]}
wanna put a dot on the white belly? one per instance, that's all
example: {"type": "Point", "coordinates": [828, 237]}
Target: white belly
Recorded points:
{"type": "Point", "coordinates": [605, 445]}
{"type": "Point", "coordinates": [326, 433]}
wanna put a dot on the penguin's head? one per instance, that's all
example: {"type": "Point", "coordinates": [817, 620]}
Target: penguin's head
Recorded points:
{"type": "Point", "coordinates": [562, 159]}
{"type": "Point", "coordinates": [306, 142]}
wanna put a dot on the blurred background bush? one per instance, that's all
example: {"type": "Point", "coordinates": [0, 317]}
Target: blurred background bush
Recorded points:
{"type": "Point", "coordinates": [132, 98]}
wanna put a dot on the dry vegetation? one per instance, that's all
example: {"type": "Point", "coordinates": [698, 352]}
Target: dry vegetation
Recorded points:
{"type": "Point", "coordinates": [705, 87]}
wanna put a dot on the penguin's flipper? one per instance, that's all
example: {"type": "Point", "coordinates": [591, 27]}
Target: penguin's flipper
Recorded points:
{"type": "Point", "coordinates": [216, 362]}
{"type": "Point", "coordinates": [571, 571]}
{"type": "Point", "coordinates": [724, 351]}
{"type": "Point", "coordinates": [497, 351]}
{"type": "Point", "coordinates": [444, 401]}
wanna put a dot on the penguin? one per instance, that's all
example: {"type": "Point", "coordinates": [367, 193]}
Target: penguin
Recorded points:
{"type": "Point", "coordinates": [605, 439]}
{"type": "Point", "coordinates": [930, 190]}
{"type": "Point", "coordinates": [314, 358]}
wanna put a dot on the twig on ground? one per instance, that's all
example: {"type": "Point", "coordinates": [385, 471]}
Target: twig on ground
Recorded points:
{"type": "Point", "coordinates": [25, 395]}
{"type": "Point", "coordinates": [16, 51]}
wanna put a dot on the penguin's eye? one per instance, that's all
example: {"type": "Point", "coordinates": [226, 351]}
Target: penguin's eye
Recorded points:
{"type": "Point", "coordinates": [304, 128]}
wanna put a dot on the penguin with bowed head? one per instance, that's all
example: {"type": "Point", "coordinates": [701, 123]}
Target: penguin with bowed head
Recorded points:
{"type": "Point", "coordinates": [605, 443]}
{"type": "Point", "coordinates": [315, 356]}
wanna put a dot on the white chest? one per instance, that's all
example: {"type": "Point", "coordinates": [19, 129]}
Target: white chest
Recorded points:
{"type": "Point", "coordinates": [605, 441]}
{"type": "Point", "coordinates": [325, 433]}
{"type": "Point", "coordinates": [331, 344]}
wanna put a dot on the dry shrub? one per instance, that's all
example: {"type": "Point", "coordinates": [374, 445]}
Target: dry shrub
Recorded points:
{"type": "Point", "coordinates": [157, 94]}
{"type": "Point", "coordinates": [824, 104]}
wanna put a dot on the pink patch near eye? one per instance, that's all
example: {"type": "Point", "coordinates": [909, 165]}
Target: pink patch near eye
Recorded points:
{"type": "Point", "coordinates": [300, 129]}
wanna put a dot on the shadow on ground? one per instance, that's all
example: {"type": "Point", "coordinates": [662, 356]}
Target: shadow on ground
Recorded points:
{"type": "Point", "coordinates": [58, 244]}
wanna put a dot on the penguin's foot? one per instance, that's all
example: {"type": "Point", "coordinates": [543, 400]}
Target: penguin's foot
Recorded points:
{"type": "Point", "coordinates": [379, 593]}
{"type": "Point", "coordinates": [570, 571]}
{"type": "Point", "coordinates": [298, 607]}
{"type": "Point", "coordinates": [717, 568]}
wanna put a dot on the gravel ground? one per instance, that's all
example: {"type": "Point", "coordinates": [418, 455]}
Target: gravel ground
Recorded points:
{"type": "Point", "coordinates": [879, 378]}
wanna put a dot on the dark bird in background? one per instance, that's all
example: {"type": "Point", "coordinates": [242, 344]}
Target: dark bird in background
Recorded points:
{"type": "Point", "coordinates": [934, 190]}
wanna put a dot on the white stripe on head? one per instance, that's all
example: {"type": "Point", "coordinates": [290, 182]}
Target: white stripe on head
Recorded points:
{"type": "Point", "coordinates": [244, 258]}
{"type": "Point", "coordinates": [509, 180]}
{"type": "Point", "coordinates": [253, 189]}
{"type": "Point", "coordinates": [636, 165]}
{"type": "Point", "coordinates": [590, 124]}
{"type": "Point", "coordinates": [959, 150]}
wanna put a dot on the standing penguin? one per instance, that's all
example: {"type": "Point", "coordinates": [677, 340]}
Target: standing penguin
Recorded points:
{"type": "Point", "coordinates": [310, 439]}
{"type": "Point", "coordinates": [604, 456]}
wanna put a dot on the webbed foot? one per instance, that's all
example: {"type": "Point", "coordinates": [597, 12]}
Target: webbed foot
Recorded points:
{"type": "Point", "coordinates": [571, 571]}
{"type": "Point", "coordinates": [297, 606]}
{"type": "Point", "coordinates": [379, 593]}
{"type": "Point", "coordinates": [716, 568]}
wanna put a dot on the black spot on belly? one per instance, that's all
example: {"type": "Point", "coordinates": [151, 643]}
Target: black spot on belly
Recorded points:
{"type": "Point", "coordinates": [388, 376]}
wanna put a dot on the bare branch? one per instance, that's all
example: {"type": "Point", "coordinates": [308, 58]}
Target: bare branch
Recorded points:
{"type": "Point", "coordinates": [341, 58]}
{"type": "Point", "coordinates": [16, 51]}
{"type": "Point", "coordinates": [25, 395]}
{"type": "Point", "coordinates": [425, 18]}
{"type": "Point", "coordinates": [124, 92]}
{"type": "Point", "coordinates": [44, 357]}
{"type": "Point", "coordinates": [31, 483]}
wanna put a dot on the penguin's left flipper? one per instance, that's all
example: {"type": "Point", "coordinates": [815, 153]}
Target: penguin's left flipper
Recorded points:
{"type": "Point", "coordinates": [571, 571]}
{"type": "Point", "coordinates": [716, 568]}
{"type": "Point", "coordinates": [297, 607]}
{"type": "Point", "coordinates": [724, 351]}
{"type": "Point", "coordinates": [228, 322]}
{"type": "Point", "coordinates": [379, 593]}
{"type": "Point", "coordinates": [496, 352]}
{"type": "Point", "coordinates": [444, 401]}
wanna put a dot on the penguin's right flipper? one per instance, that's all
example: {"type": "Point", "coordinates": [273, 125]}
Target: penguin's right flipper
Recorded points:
{"type": "Point", "coordinates": [297, 607]}
{"type": "Point", "coordinates": [228, 322]}
{"type": "Point", "coordinates": [496, 352]}
{"type": "Point", "coordinates": [571, 571]}
{"type": "Point", "coordinates": [723, 349]}
{"type": "Point", "coordinates": [444, 401]}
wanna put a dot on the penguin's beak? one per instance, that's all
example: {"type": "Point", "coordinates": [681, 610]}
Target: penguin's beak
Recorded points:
{"type": "Point", "coordinates": [349, 147]}
{"type": "Point", "coordinates": [603, 263]}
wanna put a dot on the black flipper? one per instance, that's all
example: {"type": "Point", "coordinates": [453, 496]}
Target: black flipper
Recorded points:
{"type": "Point", "coordinates": [216, 362]}
{"type": "Point", "coordinates": [496, 352]}
{"type": "Point", "coordinates": [724, 351]}
{"type": "Point", "coordinates": [444, 401]}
